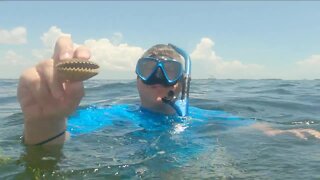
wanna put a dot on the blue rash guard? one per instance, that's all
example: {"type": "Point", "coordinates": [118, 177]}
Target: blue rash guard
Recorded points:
{"type": "Point", "coordinates": [90, 119]}
{"type": "Point", "coordinates": [139, 134]}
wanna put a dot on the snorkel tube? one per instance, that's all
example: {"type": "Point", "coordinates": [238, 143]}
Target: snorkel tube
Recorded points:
{"type": "Point", "coordinates": [181, 105]}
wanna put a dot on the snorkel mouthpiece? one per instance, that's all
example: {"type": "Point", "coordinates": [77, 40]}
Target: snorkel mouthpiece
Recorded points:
{"type": "Point", "coordinates": [171, 99]}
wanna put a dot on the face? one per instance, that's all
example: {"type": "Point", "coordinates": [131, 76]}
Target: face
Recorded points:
{"type": "Point", "coordinates": [151, 96]}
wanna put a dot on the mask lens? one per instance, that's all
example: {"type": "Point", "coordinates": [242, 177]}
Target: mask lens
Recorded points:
{"type": "Point", "coordinates": [146, 67]}
{"type": "Point", "coordinates": [173, 70]}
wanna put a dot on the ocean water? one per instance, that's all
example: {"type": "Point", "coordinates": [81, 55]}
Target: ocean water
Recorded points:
{"type": "Point", "coordinates": [227, 153]}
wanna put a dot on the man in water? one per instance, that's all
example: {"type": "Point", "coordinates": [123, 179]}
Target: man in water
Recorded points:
{"type": "Point", "coordinates": [46, 101]}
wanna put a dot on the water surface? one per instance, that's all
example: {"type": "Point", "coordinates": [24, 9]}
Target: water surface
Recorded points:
{"type": "Point", "coordinates": [241, 153]}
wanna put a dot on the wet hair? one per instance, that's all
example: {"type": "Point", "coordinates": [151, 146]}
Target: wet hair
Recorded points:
{"type": "Point", "coordinates": [163, 50]}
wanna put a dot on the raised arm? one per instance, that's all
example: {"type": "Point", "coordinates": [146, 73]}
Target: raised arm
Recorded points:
{"type": "Point", "coordinates": [46, 101]}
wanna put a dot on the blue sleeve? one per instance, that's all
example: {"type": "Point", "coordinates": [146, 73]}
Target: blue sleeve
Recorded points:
{"type": "Point", "coordinates": [221, 117]}
{"type": "Point", "coordinates": [89, 119]}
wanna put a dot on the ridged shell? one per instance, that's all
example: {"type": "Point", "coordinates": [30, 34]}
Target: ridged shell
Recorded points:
{"type": "Point", "coordinates": [76, 69]}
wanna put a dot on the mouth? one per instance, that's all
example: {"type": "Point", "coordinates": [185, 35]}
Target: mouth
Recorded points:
{"type": "Point", "coordinates": [77, 69]}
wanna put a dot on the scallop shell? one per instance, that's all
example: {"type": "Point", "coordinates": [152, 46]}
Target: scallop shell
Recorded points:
{"type": "Point", "coordinates": [76, 69]}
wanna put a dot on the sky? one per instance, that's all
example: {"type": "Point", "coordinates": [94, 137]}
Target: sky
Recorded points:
{"type": "Point", "coordinates": [225, 39]}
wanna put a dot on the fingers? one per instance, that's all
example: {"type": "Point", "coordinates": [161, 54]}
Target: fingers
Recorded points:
{"type": "Point", "coordinates": [46, 71]}
{"type": "Point", "coordinates": [74, 93]}
{"type": "Point", "coordinates": [63, 49]}
{"type": "Point", "coordinates": [313, 132]}
{"type": "Point", "coordinates": [301, 133]}
{"type": "Point", "coordinates": [75, 89]}
{"type": "Point", "coordinates": [82, 52]}
{"type": "Point", "coordinates": [298, 133]}
{"type": "Point", "coordinates": [28, 89]}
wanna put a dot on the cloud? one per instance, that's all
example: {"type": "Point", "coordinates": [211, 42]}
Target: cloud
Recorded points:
{"type": "Point", "coordinates": [116, 38]}
{"type": "Point", "coordinates": [204, 51]}
{"type": "Point", "coordinates": [42, 54]}
{"type": "Point", "coordinates": [206, 64]}
{"type": "Point", "coordinates": [313, 61]}
{"type": "Point", "coordinates": [12, 58]}
{"type": "Point", "coordinates": [308, 68]}
{"type": "Point", "coordinates": [17, 35]}
{"type": "Point", "coordinates": [48, 39]}
{"type": "Point", "coordinates": [12, 64]}
{"type": "Point", "coordinates": [118, 60]}
{"type": "Point", "coordinates": [114, 58]}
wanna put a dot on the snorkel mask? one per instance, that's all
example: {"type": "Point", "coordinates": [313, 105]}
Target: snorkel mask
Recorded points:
{"type": "Point", "coordinates": [168, 72]}
{"type": "Point", "coordinates": [163, 70]}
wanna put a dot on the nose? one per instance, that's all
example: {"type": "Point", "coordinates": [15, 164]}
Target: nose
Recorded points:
{"type": "Point", "coordinates": [159, 73]}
